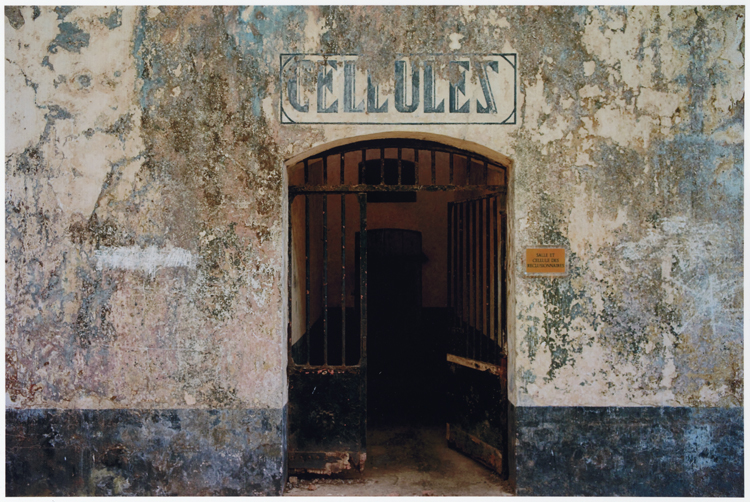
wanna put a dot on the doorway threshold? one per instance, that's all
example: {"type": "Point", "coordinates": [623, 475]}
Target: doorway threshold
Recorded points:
{"type": "Point", "coordinates": [406, 460]}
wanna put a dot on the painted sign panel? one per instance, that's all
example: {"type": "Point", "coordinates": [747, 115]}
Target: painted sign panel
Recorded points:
{"type": "Point", "coordinates": [545, 261]}
{"type": "Point", "coordinates": [422, 89]}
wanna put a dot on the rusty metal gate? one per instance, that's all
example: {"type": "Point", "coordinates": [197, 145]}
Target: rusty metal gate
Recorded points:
{"type": "Point", "coordinates": [477, 354]}
{"type": "Point", "coordinates": [327, 334]}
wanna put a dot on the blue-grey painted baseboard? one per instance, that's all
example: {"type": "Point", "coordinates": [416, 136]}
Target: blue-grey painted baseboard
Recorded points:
{"type": "Point", "coordinates": [553, 451]}
{"type": "Point", "coordinates": [145, 452]}
{"type": "Point", "coordinates": [635, 451]}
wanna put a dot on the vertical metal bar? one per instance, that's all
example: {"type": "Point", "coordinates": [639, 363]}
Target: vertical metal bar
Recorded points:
{"type": "Point", "coordinates": [456, 272]}
{"type": "Point", "coordinates": [467, 291]}
{"type": "Point", "coordinates": [488, 218]}
{"type": "Point", "coordinates": [362, 169]}
{"type": "Point", "coordinates": [473, 291]}
{"type": "Point", "coordinates": [290, 358]}
{"type": "Point", "coordinates": [503, 288]}
{"type": "Point", "coordinates": [461, 296]}
{"type": "Point", "coordinates": [468, 280]}
{"type": "Point", "coordinates": [363, 277]}
{"type": "Point", "coordinates": [382, 166]}
{"type": "Point", "coordinates": [432, 166]}
{"type": "Point", "coordinates": [325, 276]}
{"type": "Point", "coordinates": [325, 263]}
{"type": "Point", "coordinates": [467, 284]}
{"type": "Point", "coordinates": [307, 265]}
{"type": "Point", "coordinates": [451, 171]}
{"type": "Point", "coordinates": [399, 166]}
{"type": "Point", "coordinates": [343, 279]}
{"type": "Point", "coordinates": [416, 166]}
{"type": "Point", "coordinates": [307, 274]}
{"type": "Point", "coordinates": [459, 269]}
{"type": "Point", "coordinates": [449, 278]}
{"type": "Point", "coordinates": [342, 168]}
{"type": "Point", "coordinates": [363, 318]}
{"type": "Point", "coordinates": [343, 265]}
{"type": "Point", "coordinates": [480, 278]}
{"type": "Point", "coordinates": [497, 264]}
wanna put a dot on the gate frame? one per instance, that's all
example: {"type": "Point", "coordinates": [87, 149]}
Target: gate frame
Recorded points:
{"type": "Point", "coordinates": [461, 147]}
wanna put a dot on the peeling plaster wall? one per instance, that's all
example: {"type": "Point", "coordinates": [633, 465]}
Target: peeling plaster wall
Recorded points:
{"type": "Point", "coordinates": [644, 138]}
{"type": "Point", "coordinates": [145, 230]}
{"type": "Point", "coordinates": [146, 221]}
{"type": "Point", "coordinates": [629, 153]}
{"type": "Point", "coordinates": [146, 238]}
{"type": "Point", "coordinates": [73, 146]}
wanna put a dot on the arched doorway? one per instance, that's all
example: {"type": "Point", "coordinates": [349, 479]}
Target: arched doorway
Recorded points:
{"type": "Point", "coordinates": [429, 220]}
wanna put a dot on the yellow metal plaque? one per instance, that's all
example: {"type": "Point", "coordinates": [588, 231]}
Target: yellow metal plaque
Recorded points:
{"type": "Point", "coordinates": [545, 261]}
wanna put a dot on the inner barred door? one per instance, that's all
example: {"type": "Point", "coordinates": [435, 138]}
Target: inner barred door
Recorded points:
{"type": "Point", "coordinates": [477, 354]}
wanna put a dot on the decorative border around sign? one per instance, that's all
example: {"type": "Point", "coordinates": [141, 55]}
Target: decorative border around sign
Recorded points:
{"type": "Point", "coordinates": [505, 55]}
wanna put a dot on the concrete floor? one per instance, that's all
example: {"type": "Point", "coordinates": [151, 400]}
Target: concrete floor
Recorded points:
{"type": "Point", "coordinates": [407, 461]}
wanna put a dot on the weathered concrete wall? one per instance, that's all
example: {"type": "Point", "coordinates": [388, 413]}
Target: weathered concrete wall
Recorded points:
{"type": "Point", "coordinates": [146, 222]}
{"type": "Point", "coordinates": [628, 152]}
{"type": "Point", "coordinates": [144, 225]}
{"type": "Point", "coordinates": [641, 132]}
{"type": "Point", "coordinates": [145, 236]}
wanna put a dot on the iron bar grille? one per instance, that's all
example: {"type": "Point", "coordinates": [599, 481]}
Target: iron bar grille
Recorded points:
{"type": "Point", "coordinates": [328, 287]}
{"type": "Point", "coordinates": [476, 276]}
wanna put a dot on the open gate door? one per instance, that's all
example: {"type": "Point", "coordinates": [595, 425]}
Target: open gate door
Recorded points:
{"type": "Point", "coordinates": [477, 381]}
{"type": "Point", "coordinates": [327, 364]}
